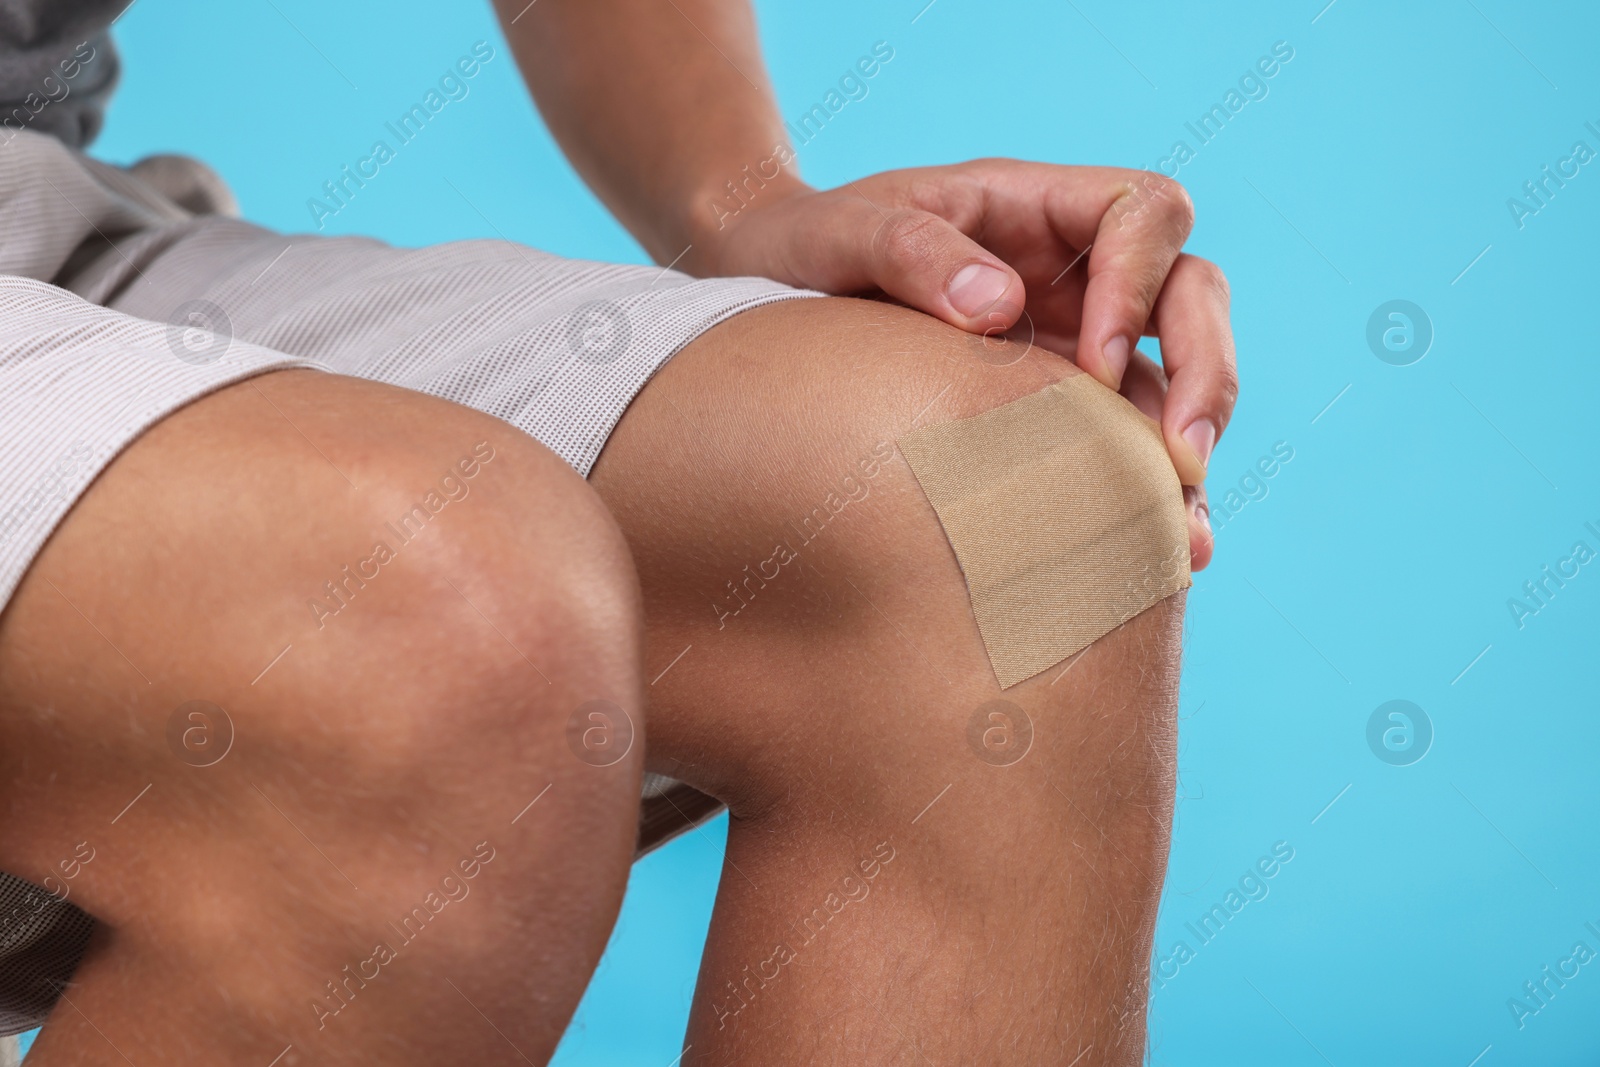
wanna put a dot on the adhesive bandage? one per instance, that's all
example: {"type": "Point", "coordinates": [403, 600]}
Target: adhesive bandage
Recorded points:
{"type": "Point", "coordinates": [1065, 514]}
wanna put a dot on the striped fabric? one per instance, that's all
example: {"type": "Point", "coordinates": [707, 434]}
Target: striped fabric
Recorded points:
{"type": "Point", "coordinates": [42, 938]}
{"type": "Point", "coordinates": [117, 307]}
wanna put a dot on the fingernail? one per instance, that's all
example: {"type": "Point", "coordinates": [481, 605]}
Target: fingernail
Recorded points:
{"type": "Point", "coordinates": [976, 287]}
{"type": "Point", "coordinates": [1201, 437]}
{"type": "Point", "coordinates": [1203, 513]}
{"type": "Point", "coordinates": [1115, 352]}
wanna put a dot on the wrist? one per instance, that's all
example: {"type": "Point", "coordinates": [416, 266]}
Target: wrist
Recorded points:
{"type": "Point", "coordinates": [728, 198]}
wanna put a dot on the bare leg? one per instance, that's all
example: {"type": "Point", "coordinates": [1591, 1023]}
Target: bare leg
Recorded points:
{"type": "Point", "coordinates": [385, 757]}
{"type": "Point", "coordinates": [894, 892]}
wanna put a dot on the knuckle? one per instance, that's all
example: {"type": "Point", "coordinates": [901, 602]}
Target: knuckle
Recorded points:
{"type": "Point", "coordinates": [988, 163]}
{"type": "Point", "coordinates": [1219, 386]}
{"type": "Point", "coordinates": [1174, 200]}
{"type": "Point", "coordinates": [1213, 278]}
{"type": "Point", "coordinates": [1180, 207]}
{"type": "Point", "coordinates": [1155, 202]}
{"type": "Point", "coordinates": [908, 238]}
{"type": "Point", "coordinates": [1228, 384]}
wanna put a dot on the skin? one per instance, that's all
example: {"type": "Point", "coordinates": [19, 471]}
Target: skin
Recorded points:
{"type": "Point", "coordinates": [1014, 922]}
{"type": "Point", "coordinates": [371, 759]}
{"type": "Point", "coordinates": [1009, 911]}
{"type": "Point", "coordinates": [659, 106]}
{"type": "Point", "coordinates": [1000, 913]}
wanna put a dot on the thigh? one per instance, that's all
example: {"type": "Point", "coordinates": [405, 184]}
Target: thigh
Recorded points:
{"type": "Point", "coordinates": [302, 658]}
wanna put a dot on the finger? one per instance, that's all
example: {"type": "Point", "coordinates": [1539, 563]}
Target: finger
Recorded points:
{"type": "Point", "coordinates": [1146, 220]}
{"type": "Point", "coordinates": [1191, 317]}
{"type": "Point", "coordinates": [918, 258]}
{"type": "Point", "coordinates": [1145, 385]}
{"type": "Point", "coordinates": [1201, 540]}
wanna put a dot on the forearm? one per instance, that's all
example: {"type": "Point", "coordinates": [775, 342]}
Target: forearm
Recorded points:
{"type": "Point", "coordinates": [659, 104]}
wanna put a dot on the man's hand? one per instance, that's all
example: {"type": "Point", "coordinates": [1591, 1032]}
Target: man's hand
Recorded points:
{"type": "Point", "coordinates": [1082, 260]}
{"type": "Point", "coordinates": [1088, 258]}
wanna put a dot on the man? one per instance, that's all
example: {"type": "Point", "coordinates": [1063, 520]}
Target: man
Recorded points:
{"type": "Point", "coordinates": [326, 694]}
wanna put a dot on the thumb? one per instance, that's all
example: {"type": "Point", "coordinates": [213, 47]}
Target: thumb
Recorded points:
{"type": "Point", "coordinates": [920, 259]}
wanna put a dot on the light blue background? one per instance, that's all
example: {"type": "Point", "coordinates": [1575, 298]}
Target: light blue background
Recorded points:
{"type": "Point", "coordinates": [1378, 566]}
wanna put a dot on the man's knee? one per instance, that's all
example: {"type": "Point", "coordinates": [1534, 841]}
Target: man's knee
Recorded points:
{"type": "Point", "coordinates": [1053, 495]}
{"type": "Point", "coordinates": [352, 584]}
{"type": "Point", "coordinates": [326, 650]}
{"type": "Point", "coordinates": [796, 530]}
{"type": "Point", "coordinates": [477, 592]}
{"type": "Point", "coordinates": [502, 618]}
